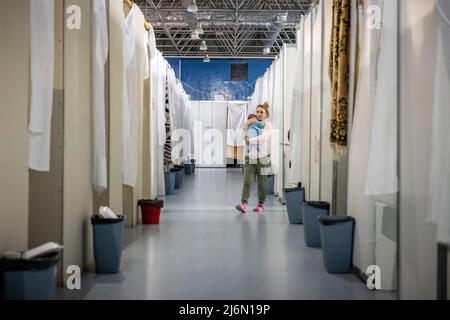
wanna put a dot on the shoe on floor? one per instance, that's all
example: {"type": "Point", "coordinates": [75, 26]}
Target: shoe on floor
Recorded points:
{"type": "Point", "coordinates": [259, 208]}
{"type": "Point", "coordinates": [243, 207]}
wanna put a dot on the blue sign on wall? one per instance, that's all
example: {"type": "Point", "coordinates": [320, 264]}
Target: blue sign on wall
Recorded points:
{"type": "Point", "coordinates": [206, 81]}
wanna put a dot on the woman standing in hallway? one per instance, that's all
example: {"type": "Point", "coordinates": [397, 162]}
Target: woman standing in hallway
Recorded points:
{"type": "Point", "coordinates": [257, 161]}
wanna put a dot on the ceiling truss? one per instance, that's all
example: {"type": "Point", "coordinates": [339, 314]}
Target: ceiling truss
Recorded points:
{"type": "Point", "coordinates": [232, 28]}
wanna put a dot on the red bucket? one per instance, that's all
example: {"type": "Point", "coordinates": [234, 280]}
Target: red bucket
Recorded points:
{"type": "Point", "coordinates": [150, 215]}
{"type": "Point", "coordinates": [150, 210]}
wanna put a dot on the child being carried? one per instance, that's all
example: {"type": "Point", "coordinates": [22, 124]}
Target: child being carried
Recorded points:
{"type": "Point", "coordinates": [254, 129]}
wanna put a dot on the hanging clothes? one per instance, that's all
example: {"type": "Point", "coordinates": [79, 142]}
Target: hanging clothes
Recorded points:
{"type": "Point", "coordinates": [439, 190]}
{"type": "Point", "coordinates": [130, 103]}
{"type": "Point", "coordinates": [100, 45]}
{"type": "Point", "coordinates": [339, 74]}
{"type": "Point", "coordinates": [42, 35]}
{"type": "Point", "coordinates": [382, 177]}
{"type": "Point", "coordinates": [297, 110]}
{"type": "Point", "coordinates": [235, 121]}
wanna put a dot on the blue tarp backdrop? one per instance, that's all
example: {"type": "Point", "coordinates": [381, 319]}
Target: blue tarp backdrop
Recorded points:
{"type": "Point", "coordinates": [206, 81]}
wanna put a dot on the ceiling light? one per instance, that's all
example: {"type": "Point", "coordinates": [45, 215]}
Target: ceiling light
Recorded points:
{"type": "Point", "coordinates": [195, 35]}
{"type": "Point", "coordinates": [192, 8]}
{"type": "Point", "coordinates": [282, 17]}
{"type": "Point", "coordinates": [266, 50]}
{"type": "Point", "coordinates": [206, 59]}
{"type": "Point", "coordinates": [203, 46]}
{"type": "Point", "coordinates": [199, 29]}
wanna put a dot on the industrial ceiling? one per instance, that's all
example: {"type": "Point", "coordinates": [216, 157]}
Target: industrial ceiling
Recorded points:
{"type": "Point", "coordinates": [224, 28]}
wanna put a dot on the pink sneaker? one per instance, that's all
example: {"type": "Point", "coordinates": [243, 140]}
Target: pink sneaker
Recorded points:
{"type": "Point", "coordinates": [259, 208]}
{"type": "Point", "coordinates": [243, 207]}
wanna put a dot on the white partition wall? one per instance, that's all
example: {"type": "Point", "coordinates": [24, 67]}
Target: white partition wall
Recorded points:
{"type": "Point", "coordinates": [306, 115]}
{"type": "Point", "coordinates": [316, 102]}
{"type": "Point", "coordinates": [210, 123]}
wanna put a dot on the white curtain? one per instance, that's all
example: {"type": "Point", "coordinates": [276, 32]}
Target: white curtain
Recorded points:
{"type": "Point", "coordinates": [236, 120]}
{"type": "Point", "coordinates": [41, 100]}
{"type": "Point", "coordinates": [130, 103]}
{"type": "Point", "coordinates": [297, 106]}
{"type": "Point", "coordinates": [439, 199]}
{"type": "Point", "coordinates": [382, 178]}
{"type": "Point", "coordinates": [100, 45]}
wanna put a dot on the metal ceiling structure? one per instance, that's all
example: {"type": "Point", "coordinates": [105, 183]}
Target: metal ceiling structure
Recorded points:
{"type": "Point", "coordinates": [231, 28]}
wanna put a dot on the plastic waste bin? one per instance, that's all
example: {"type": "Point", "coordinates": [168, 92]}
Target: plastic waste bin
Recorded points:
{"type": "Point", "coordinates": [178, 177]}
{"type": "Point", "coordinates": [150, 210]}
{"type": "Point", "coordinates": [33, 279]}
{"type": "Point", "coordinates": [312, 210]}
{"type": "Point", "coordinates": [336, 235]}
{"type": "Point", "coordinates": [169, 179]}
{"type": "Point", "coordinates": [108, 243]}
{"type": "Point", "coordinates": [194, 163]}
{"type": "Point", "coordinates": [180, 173]}
{"type": "Point", "coordinates": [294, 198]}
{"type": "Point", "coordinates": [270, 184]}
{"type": "Point", "coordinates": [188, 168]}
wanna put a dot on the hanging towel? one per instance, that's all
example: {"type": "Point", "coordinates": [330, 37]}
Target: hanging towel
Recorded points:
{"type": "Point", "coordinates": [130, 103]}
{"type": "Point", "coordinates": [382, 178]}
{"type": "Point", "coordinates": [99, 57]}
{"type": "Point", "coordinates": [439, 200]}
{"type": "Point", "coordinates": [41, 100]}
{"type": "Point", "coordinates": [236, 120]}
{"type": "Point", "coordinates": [297, 110]}
{"type": "Point", "coordinates": [146, 56]}
{"type": "Point", "coordinates": [161, 103]}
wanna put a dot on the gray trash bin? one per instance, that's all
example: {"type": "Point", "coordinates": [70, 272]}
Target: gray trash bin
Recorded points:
{"type": "Point", "coordinates": [188, 168]}
{"type": "Point", "coordinates": [194, 163]}
{"type": "Point", "coordinates": [270, 184]}
{"type": "Point", "coordinates": [312, 210]}
{"type": "Point", "coordinates": [169, 179]}
{"type": "Point", "coordinates": [178, 177]}
{"type": "Point", "coordinates": [108, 244]}
{"type": "Point", "coordinates": [294, 197]}
{"type": "Point", "coordinates": [33, 279]}
{"type": "Point", "coordinates": [336, 235]}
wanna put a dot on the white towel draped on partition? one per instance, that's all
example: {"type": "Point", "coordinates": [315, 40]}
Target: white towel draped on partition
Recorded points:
{"type": "Point", "coordinates": [297, 110]}
{"type": "Point", "coordinates": [41, 101]}
{"type": "Point", "coordinates": [439, 200]}
{"type": "Point", "coordinates": [161, 94]}
{"type": "Point", "coordinates": [236, 120]}
{"type": "Point", "coordinates": [99, 56]}
{"type": "Point", "coordinates": [146, 57]}
{"type": "Point", "coordinates": [382, 178]}
{"type": "Point", "coordinates": [130, 103]}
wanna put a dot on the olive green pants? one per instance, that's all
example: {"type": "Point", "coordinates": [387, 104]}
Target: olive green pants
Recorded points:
{"type": "Point", "coordinates": [258, 168]}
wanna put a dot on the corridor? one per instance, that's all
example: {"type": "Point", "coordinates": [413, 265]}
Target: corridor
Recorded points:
{"type": "Point", "coordinates": [204, 249]}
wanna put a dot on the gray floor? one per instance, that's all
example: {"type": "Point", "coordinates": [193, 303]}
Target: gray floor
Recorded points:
{"type": "Point", "coordinates": [205, 249]}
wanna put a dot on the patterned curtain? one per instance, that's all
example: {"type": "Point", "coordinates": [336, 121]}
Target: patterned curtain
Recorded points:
{"type": "Point", "coordinates": [339, 74]}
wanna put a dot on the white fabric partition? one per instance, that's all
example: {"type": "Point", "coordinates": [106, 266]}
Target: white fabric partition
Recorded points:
{"type": "Point", "coordinates": [297, 110]}
{"type": "Point", "coordinates": [316, 102]}
{"type": "Point", "coordinates": [42, 65]}
{"type": "Point", "coordinates": [359, 205]}
{"type": "Point", "coordinates": [306, 107]}
{"type": "Point", "coordinates": [100, 47]}
{"type": "Point", "coordinates": [439, 200]}
{"type": "Point", "coordinates": [382, 178]}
